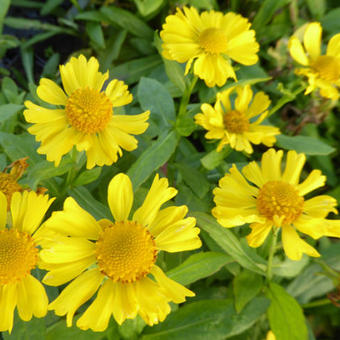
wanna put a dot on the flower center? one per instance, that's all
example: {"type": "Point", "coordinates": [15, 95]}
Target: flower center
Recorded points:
{"type": "Point", "coordinates": [125, 251]}
{"type": "Point", "coordinates": [236, 122]}
{"type": "Point", "coordinates": [18, 255]}
{"type": "Point", "coordinates": [8, 185]}
{"type": "Point", "coordinates": [328, 68]}
{"type": "Point", "coordinates": [280, 199]}
{"type": "Point", "coordinates": [88, 110]}
{"type": "Point", "coordinates": [213, 40]}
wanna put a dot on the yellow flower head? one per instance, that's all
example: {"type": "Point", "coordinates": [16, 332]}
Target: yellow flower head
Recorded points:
{"type": "Point", "coordinates": [84, 116]}
{"type": "Point", "coordinates": [213, 39]}
{"type": "Point", "coordinates": [19, 256]}
{"type": "Point", "coordinates": [117, 258]}
{"type": "Point", "coordinates": [266, 197]}
{"type": "Point", "coordinates": [232, 123]}
{"type": "Point", "coordinates": [322, 71]}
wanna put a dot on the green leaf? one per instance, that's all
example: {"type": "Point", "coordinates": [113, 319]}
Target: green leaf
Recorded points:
{"type": "Point", "coordinates": [216, 319]}
{"type": "Point", "coordinates": [317, 8]}
{"type": "Point", "coordinates": [9, 110]}
{"type": "Point", "coordinates": [89, 203]}
{"type": "Point", "coordinates": [133, 70]}
{"type": "Point", "coordinates": [95, 32]}
{"type": "Point", "coordinates": [285, 315]}
{"type": "Point", "coordinates": [246, 286]}
{"type": "Point", "coordinates": [49, 6]}
{"type": "Point", "coordinates": [161, 106]}
{"type": "Point", "coordinates": [128, 21]}
{"type": "Point", "coordinates": [148, 7]}
{"type": "Point", "coordinates": [290, 268]}
{"type": "Point", "coordinates": [194, 179]}
{"type": "Point", "coordinates": [27, 61]}
{"type": "Point", "coordinates": [152, 158]}
{"type": "Point", "coordinates": [213, 159]}
{"type": "Point", "coordinates": [88, 176]}
{"type": "Point", "coordinates": [228, 242]}
{"type": "Point", "coordinates": [307, 145]}
{"type": "Point", "coordinates": [330, 21]}
{"type": "Point", "coordinates": [199, 266]}
{"type": "Point", "coordinates": [175, 73]}
{"type": "Point", "coordinates": [92, 16]}
{"type": "Point", "coordinates": [185, 125]}
{"type": "Point", "coordinates": [3, 11]}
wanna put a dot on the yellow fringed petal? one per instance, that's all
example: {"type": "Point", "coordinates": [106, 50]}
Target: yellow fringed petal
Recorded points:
{"type": "Point", "coordinates": [3, 210]}
{"type": "Point", "coordinates": [50, 92]}
{"type": "Point", "coordinates": [259, 232]}
{"type": "Point", "coordinates": [312, 39]}
{"type": "Point", "coordinates": [8, 301]}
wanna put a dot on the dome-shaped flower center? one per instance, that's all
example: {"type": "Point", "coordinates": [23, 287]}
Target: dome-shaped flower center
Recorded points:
{"type": "Point", "coordinates": [9, 185]}
{"type": "Point", "coordinates": [125, 251]}
{"type": "Point", "coordinates": [328, 68]}
{"type": "Point", "coordinates": [279, 199]}
{"type": "Point", "coordinates": [18, 255]}
{"type": "Point", "coordinates": [88, 110]}
{"type": "Point", "coordinates": [236, 122]}
{"type": "Point", "coordinates": [213, 40]}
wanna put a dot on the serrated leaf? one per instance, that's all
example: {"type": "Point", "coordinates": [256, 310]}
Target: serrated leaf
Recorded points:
{"type": "Point", "coordinates": [153, 158]}
{"type": "Point", "coordinates": [307, 145]}
{"type": "Point", "coordinates": [285, 315]}
{"type": "Point", "coordinates": [199, 266]}
{"type": "Point", "coordinates": [228, 242]}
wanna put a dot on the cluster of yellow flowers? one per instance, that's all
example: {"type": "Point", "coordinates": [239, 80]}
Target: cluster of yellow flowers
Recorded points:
{"type": "Point", "coordinates": [116, 259]}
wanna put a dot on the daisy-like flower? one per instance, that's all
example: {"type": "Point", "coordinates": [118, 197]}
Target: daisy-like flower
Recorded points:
{"type": "Point", "coordinates": [322, 71]}
{"type": "Point", "coordinates": [236, 125]}
{"type": "Point", "coordinates": [213, 39]}
{"type": "Point", "coordinates": [117, 258]}
{"type": "Point", "coordinates": [84, 116]}
{"type": "Point", "coordinates": [268, 198]}
{"type": "Point", "coordinates": [19, 256]}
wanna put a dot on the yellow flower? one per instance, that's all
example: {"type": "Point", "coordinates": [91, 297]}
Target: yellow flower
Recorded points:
{"type": "Point", "coordinates": [322, 71]}
{"type": "Point", "coordinates": [233, 124]}
{"type": "Point", "coordinates": [213, 39]}
{"type": "Point", "coordinates": [117, 257]}
{"type": "Point", "coordinates": [86, 118]}
{"type": "Point", "coordinates": [276, 199]}
{"type": "Point", "coordinates": [270, 336]}
{"type": "Point", "coordinates": [19, 256]}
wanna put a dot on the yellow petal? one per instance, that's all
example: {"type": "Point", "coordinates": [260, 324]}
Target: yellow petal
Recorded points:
{"type": "Point", "coordinates": [294, 165]}
{"type": "Point", "coordinates": [133, 124]}
{"type": "Point", "coordinates": [125, 304]}
{"type": "Point", "coordinates": [294, 246]}
{"type": "Point", "coordinates": [61, 273]}
{"type": "Point", "coordinates": [313, 181]}
{"type": "Point", "coordinates": [259, 104]}
{"type": "Point", "coordinates": [97, 316]}
{"type": "Point", "coordinates": [314, 227]}
{"type": "Point", "coordinates": [297, 52]}
{"type": "Point", "coordinates": [120, 197]}
{"type": "Point", "coordinates": [333, 47]}
{"type": "Point", "coordinates": [39, 114]}
{"type": "Point", "coordinates": [174, 291]}
{"type": "Point", "coordinates": [244, 96]}
{"type": "Point", "coordinates": [28, 210]}
{"type": "Point", "coordinates": [320, 206]}
{"type": "Point", "coordinates": [73, 221]}
{"type": "Point", "coordinates": [8, 301]}
{"type": "Point", "coordinates": [253, 174]}
{"type": "Point", "coordinates": [50, 92]}
{"type": "Point", "coordinates": [3, 210]}
{"type": "Point", "coordinates": [312, 39]}
{"type": "Point", "coordinates": [259, 232]}
{"type": "Point", "coordinates": [32, 298]}
{"type": "Point", "coordinates": [332, 228]}
{"type": "Point", "coordinates": [76, 294]}
{"type": "Point", "coordinates": [271, 165]}
{"type": "Point", "coordinates": [159, 193]}
{"type": "Point", "coordinates": [118, 93]}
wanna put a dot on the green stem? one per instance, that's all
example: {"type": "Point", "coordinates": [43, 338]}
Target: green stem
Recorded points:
{"type": "Point", "coordinates": [186, 97]}
{"type": "Point", "coordinates": [271, 254]}
{"type": "Point", "coordinates": [72, 172]}
{"type": "Point", "coordinates": [317, 303]}
{"type": "Point", "coordinates": [330, 272]}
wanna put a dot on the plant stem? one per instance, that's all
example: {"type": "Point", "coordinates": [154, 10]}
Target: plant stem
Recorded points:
{"type": "Point", "coordinates": [72, 172]}
{"type": "Point", "coordinates": [271, 254]}
{"type": "Point", "coordinates": [317, 303]}
{"type": "Point", "coordinates": [186, 97]}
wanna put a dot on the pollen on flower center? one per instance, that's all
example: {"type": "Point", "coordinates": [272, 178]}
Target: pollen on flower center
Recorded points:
{"type": "Point", "coordinates": [125, 251]}
{"type": "Point", "coordinates": [279, 199]}
{"type": "Point", "coordinates": [236, 122]}
{"type": "Point", "coordinates": [8, 185]}
{"type": "Point", "coordinates": [328, 68]}
{"type": "Point", "coordinates": [213, 40]}
{"type": "Point", "coordinates": [88, 110]}
{"type": "Point", "coordinates": [18, 255]}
